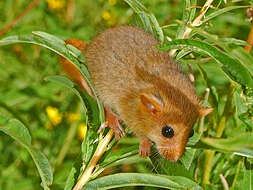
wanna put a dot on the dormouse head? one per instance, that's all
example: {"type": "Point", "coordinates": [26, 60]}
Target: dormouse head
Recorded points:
{"type": "Point", "coordinates": [168, 108]}
{"type": "Point", "coordinates": [168, 118]}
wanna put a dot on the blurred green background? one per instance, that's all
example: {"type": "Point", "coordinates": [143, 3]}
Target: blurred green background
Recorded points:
{"type": "Point", "coordinates": [49, 110]}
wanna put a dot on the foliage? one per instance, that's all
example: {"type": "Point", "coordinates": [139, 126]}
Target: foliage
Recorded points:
{"type": "Point", "coordinates": [53, 111]}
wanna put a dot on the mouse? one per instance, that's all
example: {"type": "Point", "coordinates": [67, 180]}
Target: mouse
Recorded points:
{"type": "Point", "coordinates": [141, 86]}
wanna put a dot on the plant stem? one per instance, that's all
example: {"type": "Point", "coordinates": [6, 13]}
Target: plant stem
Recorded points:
{"type": "Point", "coordinates": [237, 173]}
{"type": "Point", "coordinates": [221, 126]}
{"type": "Point", "coordinates": [101, 148]}
{"type": "Point", "coordinates": [70, 11]}
{"type": "Point", "coordinates": [202, 119]}
{"type": "Point", "coordinates": [66, 144]}
{"type": "Point", "coordinates": [209, 154]}
{"type": "Point", "coordinates": [250, 40]}
{"type": "Point", "coordinates": [224, 182]}
{"type": "Point", "coordinates": [196, 22]}
{"type": "Point", "coordinates": [15, 21]}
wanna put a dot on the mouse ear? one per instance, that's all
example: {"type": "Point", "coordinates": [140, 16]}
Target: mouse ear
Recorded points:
{"type": "Point", "coordinates": [205, 111]}
{"type": "Point", "coordinates": [151, 102]}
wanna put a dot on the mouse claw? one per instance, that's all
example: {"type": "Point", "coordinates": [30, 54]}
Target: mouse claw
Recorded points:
{"type": "Point", "coordinates": [102, 127]}
{"type": "Point", "coordinates": [118, 130]}
{"type": "Point", "coordinates": [145, 148]}
{"type": "Point", "coordinates": [113, 121]}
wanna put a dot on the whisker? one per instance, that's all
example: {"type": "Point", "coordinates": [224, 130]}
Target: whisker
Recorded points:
{"type": "Point", "coordinates": [166, 147]}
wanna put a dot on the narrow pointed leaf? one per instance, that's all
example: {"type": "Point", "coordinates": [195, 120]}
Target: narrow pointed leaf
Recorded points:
{"type": "Point", "coordinates": [188, 157]}
{"type": "Point", "coordinates": [158, 30]}
{"type": "Point", "coordinates": [60, 47]}
{"type": "Point", "coordinates": [222, 11]}
{"type": "Point", "coordinates": [139, 179]}
{"type": "Point", "coordinates": [230, 66]}
{"type": "Point", "coordinates": [69, 84]}
{"type": "Point", "coordinates": [240, 145]}
{"type": "Point", "coordinates": [148, 19]}
{"type": "Point", "coordinates": [19, 132]}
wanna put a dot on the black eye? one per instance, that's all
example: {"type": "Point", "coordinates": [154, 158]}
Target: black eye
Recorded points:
{"type": "Point", "coordinates": [167, 131]}
{"type": "Point", "coordinates": [191, 133]}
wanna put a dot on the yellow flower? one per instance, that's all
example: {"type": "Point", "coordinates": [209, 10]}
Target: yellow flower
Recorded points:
{"type": "Point", "coordinates": [112, 2]}
{"type": "Point", "coordinates": [54, 116]}
{"type": "Point", "coordinates": [72, 117]}
{"type": "Point", "coordinates": [56, 4]}
{"type": "Point", "coordinates": [106, 15]}
{"type": "Point", "coordinates": [82, 128]}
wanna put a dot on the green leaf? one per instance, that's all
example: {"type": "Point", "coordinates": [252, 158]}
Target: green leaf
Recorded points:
{"type": "Point", "coordinates": [53, 43]}
{"type": "Point", "coordinates": [146, 22]}
{"type": "Point", "coordinates": [221, 11]}
{"type": "Point", "coordinates": [132, 5]}
{"type": "Point", "coordinates": [60, 79]}
{"type": "Point", "coordinates": [16, 130]}
{"type": "Point", "coordinates": [188, 157]}
{"type": "Point", "coordinates": [139, 5]}
{"type": "Point", "coordinates": [187, 15]}
{"type": "Point", "coordinates": [183, 53]}
{"type": "Point", "coordinates": [158, 30]}
{"type": "Point", "coordinates": [127, 155]}
{"type": "Point", "coordinates": [135, 159]}
{"type": "Point", "coordinates": [87, 102]}
{"type": "Point", "coordinates": [57, 45]}
{"type": "Point", "coordinates": [19, 132]}
{"type": "Point", "coordinates": [210, 38]}
{"type": "Point", "coordinates": [229, 65]}
{"type": "Point", "coordinates": [43, 167]}
{"type": "Point", "coordinates": [240, 145]}
{"type": "Point", "coordinates": [193, 140]}
{"type": "Point", "coordinates": [243, 178]}
{"type": "Point", "coordinates": [69, 84]}
{"type": "Point", "coordinates": [138, 179]}
{"type": "Point", "coordinates": [71, 179]}
{"type": "Point", "coordinates": [192, 11]}
{"type": "Point", "coordinates": [88, 146]}
{"type": "Point", "coordinates": [234, 41]}
{"type": "Point", "coordinates": [50, 42]}
{"type": "Point", "coordinates": [163, 166]}
{"type": "Point", "coordinates": [120, 154]}
{"type": "Point", "coordinates": [182, 168]}
{"type": "Point", "coordinates": [242, 108]}
{"type": "Point", "coordinates": [245, 58]}
{"type": "Point", "coordinates": [50, 38]}
{"type": "Point", "coordinates": [148, 19]}
{"type": "Point", "coordinates": [214, 94]}
{"type": "Point", "coordinates": [74, 174]}
{"type": "Point", "coordinates": [76, 53]}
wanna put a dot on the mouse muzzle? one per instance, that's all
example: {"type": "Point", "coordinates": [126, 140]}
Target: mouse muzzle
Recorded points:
{"type": "Point", "coordinates": [172, 152]}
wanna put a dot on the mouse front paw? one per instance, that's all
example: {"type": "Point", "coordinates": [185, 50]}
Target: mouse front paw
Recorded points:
{"type": "Point", "coordinates": [145, 148]}
{"type": "Point", "coordinates": [113, 121]}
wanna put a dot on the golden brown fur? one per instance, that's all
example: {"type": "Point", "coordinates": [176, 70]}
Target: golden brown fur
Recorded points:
{"type": "Point", "coordinates": [127, 70]}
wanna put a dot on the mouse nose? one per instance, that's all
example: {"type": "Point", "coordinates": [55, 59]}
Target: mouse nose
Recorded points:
{"type": "Point", "coordinates": [172, 153]}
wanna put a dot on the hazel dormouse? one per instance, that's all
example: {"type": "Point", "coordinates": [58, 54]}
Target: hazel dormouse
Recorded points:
{"type": "Point", "coordinates": [143, 87]}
